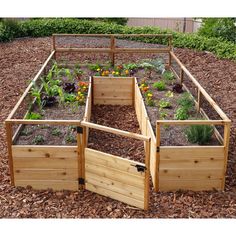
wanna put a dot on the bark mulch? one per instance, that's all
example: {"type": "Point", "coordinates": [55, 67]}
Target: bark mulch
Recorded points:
{"type": "Point", "coordinates": [21, 59]}
{"type": "Point", "coordinates": [119, 117]}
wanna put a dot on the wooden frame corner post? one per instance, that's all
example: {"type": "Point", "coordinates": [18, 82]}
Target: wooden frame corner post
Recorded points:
{"type": "Point", "coordinates": [158, 143]}
{"type": "Point", "coordinates": [8, 127]}
{"type": "Point", "coordinates": [147, 174]}
{"type": "Point", "coordinates": [226, 149]}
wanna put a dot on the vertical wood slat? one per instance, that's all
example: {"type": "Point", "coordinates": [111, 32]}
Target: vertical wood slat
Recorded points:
{"type": "Point", "coordinates": [158, 143]}
{"type": "Point", "coordinates": [8, 127]}
{"type": "Point", "coordinates": [170, 48]}
{"type": "Point", "coordinates": [54, 46]}
{"type": "Point", "coordinates": [84, 140]}
{"type": "Point", "coordinates": [198, 100]}
{"type": "Point", "coordinates": [226, 149]}
{"type": "Point", "coordinates": [147, 175]}
{"type": "Point", "coordinates": [181, 76]}
{"type": "Point", "coordinates": [112, 50]}
{"type": "Point", "coordinates": [80, 153]}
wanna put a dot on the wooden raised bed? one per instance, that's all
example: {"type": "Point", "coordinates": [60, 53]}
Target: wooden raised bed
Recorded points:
{"type": "Point", "coordinates": [80, 167]}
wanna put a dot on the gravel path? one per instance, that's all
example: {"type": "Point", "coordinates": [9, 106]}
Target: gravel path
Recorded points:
{"type": "Point", "coordinates": [21, 59]}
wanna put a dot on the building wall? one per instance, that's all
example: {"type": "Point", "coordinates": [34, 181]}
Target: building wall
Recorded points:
{"type": "Point", "coordinates": [176, 24]}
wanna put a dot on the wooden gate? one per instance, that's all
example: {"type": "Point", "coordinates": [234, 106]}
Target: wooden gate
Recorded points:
{"type": "Point", "coordinates": [116, 177]}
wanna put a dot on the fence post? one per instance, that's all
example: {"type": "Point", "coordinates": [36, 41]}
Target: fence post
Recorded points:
{"type": "Point", "coordinates": [147, 174]}
{"type": "Point", "coordinates": [226, 149]}
{"type": "Point", "coordinates": [158, 143]}
{"type": "Point", "coordinates": [198, 100]}
{"type": "Point", "coordinates": [8, 127]}
{"type": "Point", "coordinates": [170, 49]}
{"type": "Point", "coordinates": [54, 46]}
{"type": "Point", "coordinates": [181, 76]}
{"type": "Point", "coordinates": [112, 46]}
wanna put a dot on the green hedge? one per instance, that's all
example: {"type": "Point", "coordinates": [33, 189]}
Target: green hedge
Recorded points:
{"type": "Point", "coordinates": [46, 27]}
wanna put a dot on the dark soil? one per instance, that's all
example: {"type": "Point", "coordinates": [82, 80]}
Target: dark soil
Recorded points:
{"type": "Point", "coordinates": [119, 117]}
{"type": "Point", "coordinates": [21, 59]}
{"type": "Point", "coordinates": [53, 135]}
{"type": "Point", "coordinates": [171, 135]}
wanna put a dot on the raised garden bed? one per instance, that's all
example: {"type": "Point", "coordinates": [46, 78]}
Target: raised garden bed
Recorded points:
{"type": "Point", "coordinates": [109, 130]}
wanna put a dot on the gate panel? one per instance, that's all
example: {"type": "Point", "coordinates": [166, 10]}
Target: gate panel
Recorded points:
{"type": "Point", "coordinates": [115, 177]}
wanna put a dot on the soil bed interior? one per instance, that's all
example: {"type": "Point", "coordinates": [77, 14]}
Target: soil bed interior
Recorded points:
{"type": "Point", "coordinates": [119, 117]}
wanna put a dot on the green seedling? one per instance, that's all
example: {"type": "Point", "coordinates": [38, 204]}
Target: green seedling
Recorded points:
{"type": "Point", "coordinates": [33, 116]}
{"type": "Point", "coordinates": [39, 139]}
{"type": "Point", "coordinates": [56, 132]}
{"type": "Point", "coordinates": [160, 85]}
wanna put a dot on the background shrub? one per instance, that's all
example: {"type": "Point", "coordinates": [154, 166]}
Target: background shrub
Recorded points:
{"type": "Point", "coordinates": [219, 27]}
{"type": "Point", "coordinates": [47, 26]}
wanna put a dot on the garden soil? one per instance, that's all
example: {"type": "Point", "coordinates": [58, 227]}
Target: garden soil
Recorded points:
{"type": "Point", "coordinates": [21, 59]}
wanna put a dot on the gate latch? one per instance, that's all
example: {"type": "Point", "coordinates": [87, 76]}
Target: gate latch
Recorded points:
{"type": "Point", "coordinates": [79, 130]}
{"type": "Point", "coordinates": [140, 168]}
{"type": "Point", "coordinates": [81, 181]}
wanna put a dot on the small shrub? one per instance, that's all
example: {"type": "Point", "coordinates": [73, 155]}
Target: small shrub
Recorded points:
{"type": "Point", "coordinates": [168, 75]}
{"type": "Point", "coordinates": [186, 101]}
{"type": "Point", "coordinates": [200, 134]}
{"type": "Point", "coordinates": [160, 85]}
{"type": "Point", "coordinates": [164, 104]}
{"type": "Point", "coordinates": [39, 139]}
{"type": "Point", "coordinates": [181, 114]}
{"type": "Point", "coordinates": [56, 132]}
{"type": "Point", "coordinates": [70, 138]}
{"type": "Point", "coordinates": [26, 132]}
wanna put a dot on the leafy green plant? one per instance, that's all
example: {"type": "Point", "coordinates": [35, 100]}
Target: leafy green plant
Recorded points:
{"type": "Point", "coordinates": [148, 67]}
{"type": "Point", "coordinates": [181, 114]}
{"type": "Point", "coordinates": [169, 94]}
{"type": "Point", "coordinates": [69, 97]}
{"type": "Point", "coordinates": [131, 66]}
{"type": "Point", "coordinates": [158, 65]}
{"type": "Point", "coordinates": [94, 67]}
{"type": "Point", "coordinates": [160, 85]}
{"type": "Point", "coordinates": [56, 132]}
{"type": "Point", "coordinates": [33, 116]}
{"type": "Point", "coordinates": [70, 138]}
{"type": "Point", "coordinates": [50, 90]}
{"type": "Point", "coordinates": [164, 104]}
{"type": "Point", "coordinates": [35, 92]}
{"type": "Point", "coordinates": [26, 132]}
{"type": "Point", "coordinates": [200, 134]}
{"type": "Point", "coordinates": [186, 101]}
{"type": "Point", "coordinates": [168, 75]}
{"type": "Point", "coordinates": [163, 115]}
{"type": "Point", "coordinates": [39, 139]}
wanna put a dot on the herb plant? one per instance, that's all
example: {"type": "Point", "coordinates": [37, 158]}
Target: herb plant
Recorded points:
{"type": "Point", "coordinates": [200, 134]}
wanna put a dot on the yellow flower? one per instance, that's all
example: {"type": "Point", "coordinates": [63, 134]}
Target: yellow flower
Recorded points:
{"type": "Point", "coordinates": [113, 72]}
{"type": "Point", "coordinates": [126, 71]}
{"type": "Point", "coordinates": [98, 69]}
{"type": "Point", "coordinates": [149, 95]}
{"type": "Point", "coordinates": [117, 73]}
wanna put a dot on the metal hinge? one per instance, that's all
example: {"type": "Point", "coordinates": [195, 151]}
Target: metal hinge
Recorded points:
{"type": "Point", "coordinates": [79, 130]}
{"type": "Point", "coordinates": [140, 168]}
{"type": "Point", "coordinates": [81, 181]}
{"type": "Point", "coordinates": [158, 149]}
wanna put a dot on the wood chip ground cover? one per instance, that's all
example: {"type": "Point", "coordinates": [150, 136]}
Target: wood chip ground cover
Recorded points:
{"type": "Point", "coordinates": [21, 59]}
